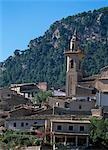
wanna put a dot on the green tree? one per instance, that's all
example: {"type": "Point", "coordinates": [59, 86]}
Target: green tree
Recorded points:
{"type": "Point", "coordinates": [42, 96]}
{"type": "Point", "coordinates": [11, 139]}
{"type": "Point", "coordinates": [99, 131]}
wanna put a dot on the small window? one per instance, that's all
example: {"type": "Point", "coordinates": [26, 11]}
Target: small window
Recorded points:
{"type": "Point", "coordinates": [66, 105]}
{"type": "Point", "coordinates": [8, 95]}
{"type": "Point", "coordinates": [81, 128]}
{"type": "Point", "coordinates": [26, 123]}
{"type": "Point", "coordinates": [59, 127]}
{"type": "Point", "coordinates": [80, 107]}
{"type": "Point", "coordinates": [71, 128]}
{"type": "Point", "coordinates": [22, 124]}
{"type": "Point", "coordinates": [94, 91]}
{"type": "Point", "coordinates": [35, 122]}
{"type": "Point", "coordinates": [14, 124]}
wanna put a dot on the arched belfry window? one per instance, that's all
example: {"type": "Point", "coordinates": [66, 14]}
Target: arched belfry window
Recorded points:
{"type": "Point", "coordinates": [71, 63]}
{"type": "Point", "coordinates": [72, 47]}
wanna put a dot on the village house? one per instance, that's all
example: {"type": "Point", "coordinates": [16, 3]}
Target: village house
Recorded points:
{"type": "Point", "coordinates": [24, 123]}
{"type": "Point", "coordinates": [28, 90]}
{"type": "Point", "coordinates": [70, 132]}
{"type": "Point", "coordinates": [74, 131]}
{"type": "Point", "coordinates": [10, 99]}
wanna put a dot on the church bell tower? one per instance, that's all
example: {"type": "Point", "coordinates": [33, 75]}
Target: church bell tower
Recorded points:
{"type": "Point", "coordinates": [73, 72]}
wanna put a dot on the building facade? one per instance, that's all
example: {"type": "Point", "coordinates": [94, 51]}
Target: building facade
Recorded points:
{"type": "Point", "coordinates": [70, 132]}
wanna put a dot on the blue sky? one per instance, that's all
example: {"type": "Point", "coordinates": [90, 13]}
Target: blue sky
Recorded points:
{"type": "Point", "coordinates": [23, 20]}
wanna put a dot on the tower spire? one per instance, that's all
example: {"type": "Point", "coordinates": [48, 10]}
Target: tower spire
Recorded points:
{"type": "Point", "coordinates": [73, 42]}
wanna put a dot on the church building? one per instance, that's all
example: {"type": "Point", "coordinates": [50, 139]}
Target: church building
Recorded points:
{"type": "Point", "coordinates": [80, 95]}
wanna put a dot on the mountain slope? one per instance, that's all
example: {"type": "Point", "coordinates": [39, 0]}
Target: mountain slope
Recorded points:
{"type": "Point", "coordinates": [44, 59]}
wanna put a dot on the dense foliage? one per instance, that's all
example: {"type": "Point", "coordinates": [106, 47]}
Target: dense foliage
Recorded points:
{"type": "Point", "coordinates": [44, 59]}
{"type": "Point", "coordinates": [99, 132]}
{"type": "Point", "coordinates": [12, 139]}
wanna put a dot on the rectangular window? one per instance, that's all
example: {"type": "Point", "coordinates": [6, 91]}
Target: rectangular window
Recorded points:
{"type": "Point", "coordinates": [81, 128]}
{"type": "Point", "coordinates": [79, 106]}
{"type": "Point", "coordinates": [71, 128]}
{"type": "Point", "coordinates": [14, 124]}
{"type": "Point", "coordinates": [22, 124]}
{"type": "Point", "coordinates": [59, 127]}
{"type": "Point", "coordinates": [28, 94]}
{"type": "Point", "coordinates": [32, 94]}
{"type": "Point", "coordinates": [26, 123]}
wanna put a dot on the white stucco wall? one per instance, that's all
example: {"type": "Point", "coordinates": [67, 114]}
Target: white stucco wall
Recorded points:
{"type": "Point", "coordinates": [102, 99]}
{"type": "Point", "coordinates": [9, 124]}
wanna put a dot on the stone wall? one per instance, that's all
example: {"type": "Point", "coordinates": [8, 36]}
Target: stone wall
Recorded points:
{"type": "Point", "coordinates": [55, 101]}
{"type": "Point", "coordinates": [97, 112]}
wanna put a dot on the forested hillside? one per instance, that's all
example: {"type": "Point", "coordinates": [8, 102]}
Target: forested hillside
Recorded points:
{"type": "Point", "coordinates": [44, 59]}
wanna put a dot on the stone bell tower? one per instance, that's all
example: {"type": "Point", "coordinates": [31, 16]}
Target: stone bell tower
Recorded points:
{"type": "Point", "coordinates": [73, 72]}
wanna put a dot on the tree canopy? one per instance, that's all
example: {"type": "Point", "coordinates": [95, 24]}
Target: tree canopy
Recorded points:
{"type": "Point", "coordinates": [42, 96]}
{"type": "Point", "coordinates": [99, 131]}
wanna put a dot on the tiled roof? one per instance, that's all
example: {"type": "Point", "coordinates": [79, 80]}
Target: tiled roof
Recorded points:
{"type": "Point", "coordinates": [22, 84]}
{"type": "Point", "coordinates": [104, 68]}
{"type": "Point", "coordinates": [93, 77]}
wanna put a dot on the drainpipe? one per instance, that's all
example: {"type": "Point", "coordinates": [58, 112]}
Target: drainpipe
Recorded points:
{"type": "Point", "coordinates": [99, 98]}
